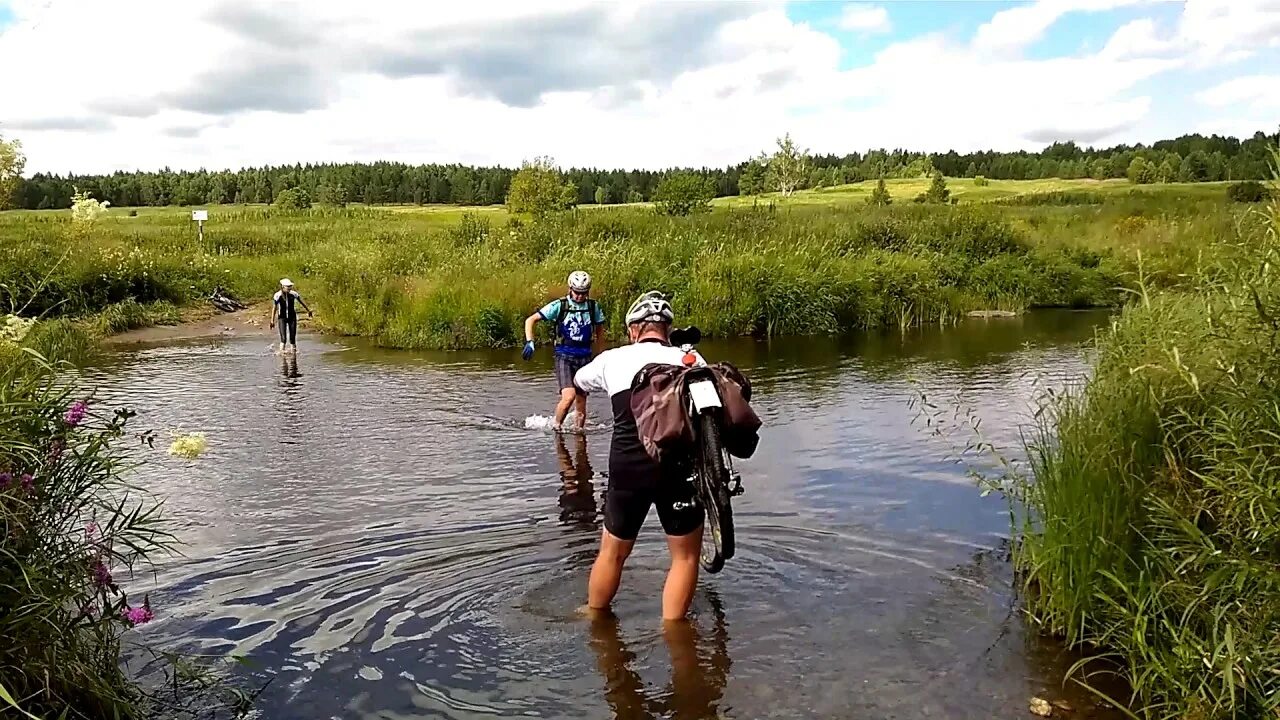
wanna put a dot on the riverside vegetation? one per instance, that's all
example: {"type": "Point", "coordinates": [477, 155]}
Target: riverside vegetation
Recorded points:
{"type": "Point", "coordinates": [1148, 519]}
{"type": "Point", "coordinates": [821, 262]}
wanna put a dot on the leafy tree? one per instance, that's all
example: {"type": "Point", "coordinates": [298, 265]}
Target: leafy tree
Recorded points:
{"type": "Point", "coordinates": [1141, 172]}
{"type": "Point", "coordinates": [602, 197]}
{"type": "Point", "coordinates": [1194, 167]}
{"type": "Point", "coordinates": [937, 192]}
{"type": "Point", "coordinates": [217, 193]}
{"type": "Point", "coordinates": [12, 162]}
{"type": "Point", "coordinates": [634, 196]}
{"type": "Point", "coordinates": [294, 198]}
{"type": "Point", "coordinates": [1167, 172]}
{"type": "Point", "coordinates": [880, 196]}
{"type": "Point", "coordinates": [684, 193]}
{"type": "Point", "coordinates": [332, 195]}
{"type": "Point", "coordinates": [752, 179]}
{"type": "Point", "coordinates": [920, 167]}
{"type": "Point", "coordinates": [787, 167]}
{"type": "Point", "coordinates": [972, 170]}
{"type": "Point", "coordinates": [539, 189]}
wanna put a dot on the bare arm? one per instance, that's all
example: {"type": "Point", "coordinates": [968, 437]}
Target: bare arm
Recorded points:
{"type": "Point", "coordinates": [271, 314]}
{"type": "Point", "coordinates": [304, 305]}
{"type": "Point", "coordinates": [591, 377]}
{"type": "Point", "coordinates": [529, 322]}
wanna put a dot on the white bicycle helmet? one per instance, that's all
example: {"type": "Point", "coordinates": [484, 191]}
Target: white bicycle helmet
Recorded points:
{"type": "Point", "coordinates": [650, 307]}
{"type": "Point", "coordinates": [579, 281]}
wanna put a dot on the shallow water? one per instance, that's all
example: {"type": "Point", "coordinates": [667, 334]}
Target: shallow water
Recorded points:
{"type": "Point", "coordinates": [380, 533]}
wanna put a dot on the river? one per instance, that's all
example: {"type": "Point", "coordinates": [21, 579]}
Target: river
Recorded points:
{"type": "Point", "coordinates": [381, 536]}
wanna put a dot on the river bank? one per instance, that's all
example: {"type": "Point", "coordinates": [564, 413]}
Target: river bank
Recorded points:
{"type": "Point", "coordinates": [465, 280]}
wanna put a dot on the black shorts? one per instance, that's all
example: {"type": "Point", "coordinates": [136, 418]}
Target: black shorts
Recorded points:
{"type": "Point", "coordinates": [567, 366]}
{"type": "Point", "coordinates": [625, 509]}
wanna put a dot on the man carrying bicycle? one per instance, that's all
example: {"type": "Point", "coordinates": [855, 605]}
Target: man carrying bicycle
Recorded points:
{"type": "Point", "coordinates": [637, 481]}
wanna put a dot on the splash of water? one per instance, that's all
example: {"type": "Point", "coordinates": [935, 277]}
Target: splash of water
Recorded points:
{"type": "Point", "coordinates": [547, 423]}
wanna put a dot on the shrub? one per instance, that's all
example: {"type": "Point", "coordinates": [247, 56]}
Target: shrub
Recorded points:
{"type": "Point", "coordinates": [1249, 191]}
{"type": "Point", "coordinates": [937, 192]}
{"type": "Point", "coordinates": [538, 189]}
{"type": "Point", "coordinates": [684, 194]}
{"type": "Point", "coordinates": [73, 530]}
{"type": "Point", "coordinates": [294, 198]}
{"type": "Point", "coordinates": [980, 181]}
{"type": "Point", "coordinates": [879, 196]}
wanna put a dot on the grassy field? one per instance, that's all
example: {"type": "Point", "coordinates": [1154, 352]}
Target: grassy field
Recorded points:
{"type": "Point", "coordinates": [819, 262]}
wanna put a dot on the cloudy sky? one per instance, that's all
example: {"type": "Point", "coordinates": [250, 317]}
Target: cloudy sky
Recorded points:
{"type": "Point", "coordinates": [96, 86]}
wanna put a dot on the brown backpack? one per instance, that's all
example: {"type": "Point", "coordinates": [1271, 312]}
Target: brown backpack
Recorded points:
{"type": "Point", "coordinates": [659, 403]}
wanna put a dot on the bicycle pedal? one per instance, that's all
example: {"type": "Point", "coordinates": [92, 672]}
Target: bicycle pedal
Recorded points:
{"type": "Point", "coordinates": [682, 506]}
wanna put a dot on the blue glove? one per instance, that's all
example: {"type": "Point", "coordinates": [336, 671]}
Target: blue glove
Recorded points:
{"type": "Point", "coordinates": [528, 350]}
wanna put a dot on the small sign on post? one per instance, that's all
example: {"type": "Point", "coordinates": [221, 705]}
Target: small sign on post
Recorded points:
{"type": "Point", "coordinates": [200, 216]}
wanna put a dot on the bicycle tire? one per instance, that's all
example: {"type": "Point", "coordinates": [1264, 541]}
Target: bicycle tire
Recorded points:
{"type": "Point", "coordinates": [713, 492]}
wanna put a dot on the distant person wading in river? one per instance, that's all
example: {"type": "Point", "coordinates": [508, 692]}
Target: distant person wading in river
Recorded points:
{"type": "Point", "coordinates": [578, 322]}
{"type": "Point", "coordinates": [284, 312]}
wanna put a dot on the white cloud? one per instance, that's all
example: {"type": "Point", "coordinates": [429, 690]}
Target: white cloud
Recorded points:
{"type": "Point", "coordinates": [216, 83]}
{"type": "Point", "coordinates": [1251, 92]}
{"type": "Point", "coordinates": [1018, 27]}
{"type": "Point", "coordinates": [860, 17]}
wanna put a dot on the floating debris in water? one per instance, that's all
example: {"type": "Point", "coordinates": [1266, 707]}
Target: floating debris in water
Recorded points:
{"type": "Point", "coordinates": [189, 446]}
{"type": "Point", "coordinates": [1041, 707]}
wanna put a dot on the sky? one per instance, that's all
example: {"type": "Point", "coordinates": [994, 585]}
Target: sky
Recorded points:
{"type": "Point", "coordinates": [103, 85]}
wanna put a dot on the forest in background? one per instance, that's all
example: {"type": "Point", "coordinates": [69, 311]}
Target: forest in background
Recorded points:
{"type": "Point", "coordinates": [1190, 158]}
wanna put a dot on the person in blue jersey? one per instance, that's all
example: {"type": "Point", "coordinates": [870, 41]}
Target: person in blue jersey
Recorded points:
{"type": "Point", "coordinates": [283, 311]}
{"type": "Point", "coordinates": [578, 322]}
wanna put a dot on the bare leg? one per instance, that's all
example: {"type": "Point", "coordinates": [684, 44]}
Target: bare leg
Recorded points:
{"type": "Point", "coordinates": [606, 573]}
{"type": "Point", "coordinates": [562, 408]}
{"type": "Point", "coordinates": [682, 578]}
{"type": "Point", "coordinates": [580, 404]}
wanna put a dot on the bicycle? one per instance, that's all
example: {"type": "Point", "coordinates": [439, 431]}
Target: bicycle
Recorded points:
{"type": "Point", "coordinates": [715, 481]}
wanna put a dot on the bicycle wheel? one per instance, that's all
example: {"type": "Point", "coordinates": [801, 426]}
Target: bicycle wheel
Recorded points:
{"type": "Point", "coordinates": [713, 493]}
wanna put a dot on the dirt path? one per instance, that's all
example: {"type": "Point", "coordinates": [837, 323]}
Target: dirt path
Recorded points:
{"type": "Point", "coordinates": [201, 323]}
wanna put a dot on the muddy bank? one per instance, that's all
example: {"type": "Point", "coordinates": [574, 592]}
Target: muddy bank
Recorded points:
{"type": "Point", "coordinates": [205, 322]}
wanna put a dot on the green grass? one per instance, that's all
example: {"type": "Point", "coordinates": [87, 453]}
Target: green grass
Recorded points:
{"type": "Point", "coordinates": [820, 262]}
{"type": "Point", "coordinates": [1153, 537]}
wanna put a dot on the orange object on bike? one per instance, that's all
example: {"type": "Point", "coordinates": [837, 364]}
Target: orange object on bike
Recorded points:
{"type": "Point", "coordinates": [689, 359]}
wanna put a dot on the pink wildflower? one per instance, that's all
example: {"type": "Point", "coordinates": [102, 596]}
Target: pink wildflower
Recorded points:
{"type": "Point", "coordinates": [101, 575]}
{"type": "Point", "coordinates": [75, 413]}
{"type": "Point", "coordinates": [5, 479]}
{"type": "Point", "coordinates": [28, 482]}
{"type": "Point", "coordinates": [139, 615]}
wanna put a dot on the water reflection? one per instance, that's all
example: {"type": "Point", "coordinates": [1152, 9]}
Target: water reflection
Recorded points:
{"type": "Point", "coordinates": [289, 365]}
{"type": "Point", "coordinates": [699, 668]}
{"type": "Point", "coordinates": [577, 492]}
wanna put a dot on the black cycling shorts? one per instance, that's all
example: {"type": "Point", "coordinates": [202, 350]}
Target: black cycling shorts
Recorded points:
{"type": "Point", "coordinates": [625, 509]}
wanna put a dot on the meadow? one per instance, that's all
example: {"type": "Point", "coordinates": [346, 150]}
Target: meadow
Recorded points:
{"type": "Point", "coordinates": [819, 262]}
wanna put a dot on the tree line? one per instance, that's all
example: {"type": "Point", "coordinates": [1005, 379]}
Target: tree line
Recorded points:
{"type": "Point", "coordinates": [1190, 158]}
